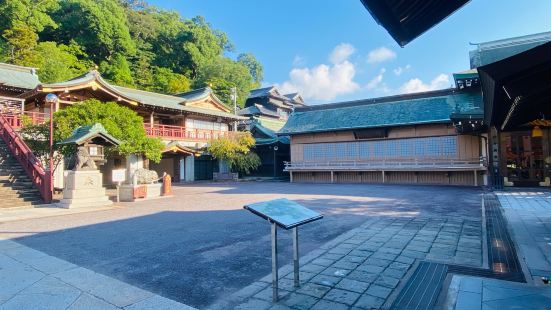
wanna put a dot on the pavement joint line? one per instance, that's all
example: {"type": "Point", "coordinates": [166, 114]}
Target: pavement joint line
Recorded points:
{"type": "Point", "coordinates": [390, 227]}
{"type": "Point", "coordinates": [499, 218]}
{"type": "Point", "coordinates": [82, 291]}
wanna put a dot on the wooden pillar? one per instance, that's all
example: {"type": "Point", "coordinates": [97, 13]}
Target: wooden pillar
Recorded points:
{"type": "Point", "coordinates": [475, 178]}
{"type": "Point", "coordinates": [332, 177]}
{"type": "Point", "coordinates": [151, 120]}
{"type": "Point", "coordinates": [383, 176]}
{"type": "Point", "coordinates": [291, 176]}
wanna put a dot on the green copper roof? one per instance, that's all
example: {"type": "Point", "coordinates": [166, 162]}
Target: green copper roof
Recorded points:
{"type": "Point", "coordinates": [468, 74]}
{"type": "Point", "coordinates": [493, 51]}
{"type": "Point", "coordinates": [272, 124]}
{"type": "Point", "coordinates": [148, 98]}
{"type": "Point", "coordinates": [420, 108]}
{"type": "Point", "coordinates": [85, 133]}
{"type": "Point", "coordinates": [266, 136]}
{"type": "Point", "coordinates": [195, 94]}
{"type": "Point", "coordinates": [17, 76]}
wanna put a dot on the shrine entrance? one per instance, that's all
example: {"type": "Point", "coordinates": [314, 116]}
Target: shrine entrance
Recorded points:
{"type": "Point", "coordinates": [525, 157]}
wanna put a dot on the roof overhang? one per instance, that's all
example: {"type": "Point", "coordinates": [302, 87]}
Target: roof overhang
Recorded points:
{"type": "Point", "coordinates": [406, 20]}
{"type": "Point", "coordinates": [176, 148]}
{"type": "Point", "coordinates": [517, 90]}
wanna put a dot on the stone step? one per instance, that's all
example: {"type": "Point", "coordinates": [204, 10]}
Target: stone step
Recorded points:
{"type": "Point", "coordinates": [14, 178]}
{"type": "Point", "coordinates": [12, 174]}
{"type": "Point", "coordinates": [25, 196]}
{"type": "Point", "coordinates": [18, 204]}
{"type": "Point", "coordinates": [17, 191]}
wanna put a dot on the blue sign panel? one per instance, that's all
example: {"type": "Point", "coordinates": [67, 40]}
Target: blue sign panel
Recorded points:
{"type": "Point", "coordinates": [285, 213]}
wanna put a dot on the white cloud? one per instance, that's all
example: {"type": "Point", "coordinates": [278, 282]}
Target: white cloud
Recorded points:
{"type": "Point", "coordinates": [324, 82]}
{"type": "Point", "coordinates": [341, 53]}
{"type": "Point", "coordinates": [380, 54]}
{"type": "Point", "coordinates": [398, 71]}
{"type": "Point", "coordinates": [416, 85]}
{"type": "Point", "coordinates": [377, 82]}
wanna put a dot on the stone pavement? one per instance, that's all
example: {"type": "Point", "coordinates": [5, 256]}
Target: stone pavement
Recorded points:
{"type": "Point", "coordinates": [25, 213]}
{"type": "Point", "coordinates": [472, 293]}
{"type": "Point", "coordinates": [31, 279]}
{"type": "Point", "coordinates": [528, 214]}
{"type": "Point", "coordinates": [365, 268]}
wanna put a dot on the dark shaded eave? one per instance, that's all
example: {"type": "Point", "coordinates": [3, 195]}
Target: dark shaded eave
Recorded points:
{"type": "Point", "coordinates": [406, 20]}
{"type": "Point", "coordinates": [524, 78]}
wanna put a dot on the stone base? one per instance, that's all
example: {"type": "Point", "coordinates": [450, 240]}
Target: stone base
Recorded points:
{"type": "Point", "coordinates": [84, 189]}
{"type": "Point", "coordinates": [127, 191]}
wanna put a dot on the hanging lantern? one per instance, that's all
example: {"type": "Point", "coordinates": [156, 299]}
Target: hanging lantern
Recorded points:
{"type": "Point", "coordinates": [537, 132]}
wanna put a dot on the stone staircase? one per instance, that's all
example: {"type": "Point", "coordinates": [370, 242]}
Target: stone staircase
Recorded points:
{"type": "Point", "coordinates": [16, 189]}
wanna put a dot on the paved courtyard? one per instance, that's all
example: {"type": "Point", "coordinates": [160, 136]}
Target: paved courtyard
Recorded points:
{"type": "Point", "coordinates": [200, 246]}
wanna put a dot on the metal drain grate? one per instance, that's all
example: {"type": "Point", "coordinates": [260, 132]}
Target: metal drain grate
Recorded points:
{"type": "Point", "coordinates": [421, 291]}
{"type": "Point", "coordinates": [502, 254]}
{"type": "Point", "coordinates": [423, 288]}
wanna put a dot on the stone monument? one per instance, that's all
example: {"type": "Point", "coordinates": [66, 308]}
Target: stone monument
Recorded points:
{"type": "Point", "coordinates": [83, 184]}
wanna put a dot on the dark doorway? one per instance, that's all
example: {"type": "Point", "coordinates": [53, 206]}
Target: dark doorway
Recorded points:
{"type": "Point", "coordinates": [205, 165]}
{"type": "Point", "coordinates": [524, 158]}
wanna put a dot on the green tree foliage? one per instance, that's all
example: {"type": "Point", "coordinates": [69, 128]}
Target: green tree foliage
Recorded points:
{"type": "Point", "coordinates": [37, 137]}
{"type": "Point", "coordinates": [121, 122]}
{"type": "Point", "coordinates": [61, 63]}
{"type": "Point", "coordinates": [117, 70]}
{"type": "Point", "coordinates": [221, 74]}
{"type": "Point", "coordinates": [236, 151]}
{"type": "Point", "coordinates": [99, 26]}
{"type": "Point", "coordinates": [255, 68]}
{"type": "Point", "coordinates": [132, 43]}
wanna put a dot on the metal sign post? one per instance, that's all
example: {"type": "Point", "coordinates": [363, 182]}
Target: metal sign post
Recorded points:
{"type": "Point", "coordinates": [288, 215]}
{"type": "Point", "coordinates": [275, 267]}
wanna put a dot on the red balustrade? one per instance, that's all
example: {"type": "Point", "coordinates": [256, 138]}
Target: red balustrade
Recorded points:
{"type": "Point", "coordinates": [39, 176]}
{"type": "Point", "coordinates": [16, 122]}
{"type": "Point", "coordinates": [181, 133]}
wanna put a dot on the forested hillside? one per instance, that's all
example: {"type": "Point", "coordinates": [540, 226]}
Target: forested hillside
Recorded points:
{"type": "Point", "coordinates": [130, 42]}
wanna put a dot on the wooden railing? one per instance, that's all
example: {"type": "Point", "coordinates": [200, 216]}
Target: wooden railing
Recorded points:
{"type": "Point", "coordinates": [16, 122]}
{"type": "Point", "coordinates": [40, 178]}
{"type": "Point", "coordinates": [169, 132]}
{"type": "Point", "coordinates": [411, 164]}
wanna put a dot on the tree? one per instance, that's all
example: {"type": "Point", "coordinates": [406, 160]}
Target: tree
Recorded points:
{"type": "Point", "coordinates": [37, 137]}
{"type": "Point", "coordinates": [167, 82]}
{"type": "Point", "coordinates": [236, 151]}
{"type": "Point", "coordinates": [56, 62]}
{"type": "Point", "coordinates": [99, 26]}
{"type": "Point", "coordinates": [133, 43]}
{"type": "Point", "coordinates": [223, 73]}
{"type": "Point", "coordinates": [255, 68]}
{"type": "Point", "coordinates": [121, 122]}
{"type": "Point", "coordinates": [117, 70]}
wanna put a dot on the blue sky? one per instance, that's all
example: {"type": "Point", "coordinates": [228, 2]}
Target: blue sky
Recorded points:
{"type": "Point", "coordinates": [333, 50]}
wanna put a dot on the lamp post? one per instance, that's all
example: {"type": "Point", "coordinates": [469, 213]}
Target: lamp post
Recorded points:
{"type": "Point", "coordinates": [52, 100]}
{"type": "Point", "coordinates": [234, 99]}
{"type": "Point", "coordinates": [275, 162]}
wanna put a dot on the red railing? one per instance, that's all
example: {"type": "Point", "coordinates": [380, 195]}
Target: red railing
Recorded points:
{"type": "Point", "coordinates": [181, 133]}
{"type": "Point", "coordinates": [39, 176]}
{"type": "Point", "coordinates": [16, 122]}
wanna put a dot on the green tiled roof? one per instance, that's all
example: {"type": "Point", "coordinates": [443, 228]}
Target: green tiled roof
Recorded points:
{"type": "Point", "coordinates": [420, 108]}
{"type": "Point", "coordinates": [85, 133]}
{"type": "Point", "coordinates": [169, 102]}
{"type": "Point", "coordinates": [468, 74]}
{"type": "Point", "coordinates": [272, 124]}
{"type": "Point", "coordinates": [17, 76]}
{"type": "Point", "coordinates": [490, 52]}
{"type": "Point", "coordinates": [146, 97]}
{"type": "Point", "coordinates": [195, 94]}
{"type": "Point", "coordinates": [264, 136]}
